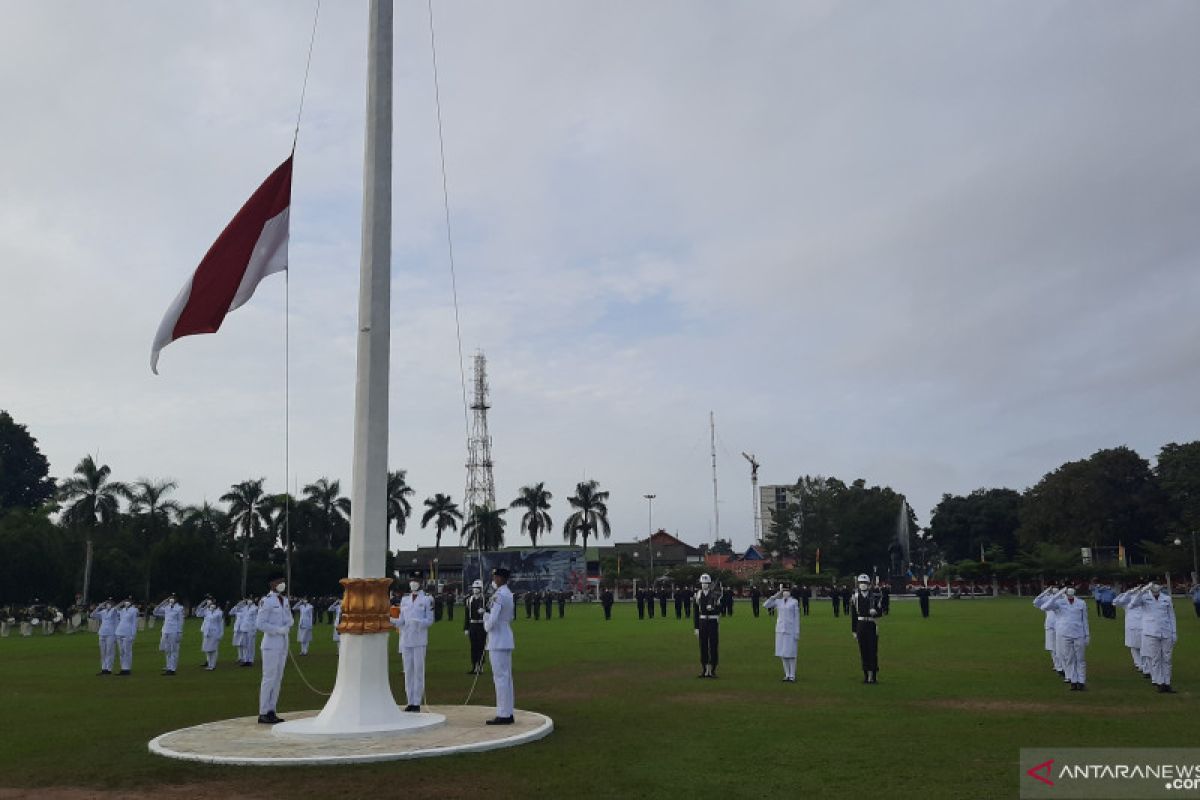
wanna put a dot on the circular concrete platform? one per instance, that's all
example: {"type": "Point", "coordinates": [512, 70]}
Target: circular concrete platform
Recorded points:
{"type": "Point", "coordinates": [244, 741]}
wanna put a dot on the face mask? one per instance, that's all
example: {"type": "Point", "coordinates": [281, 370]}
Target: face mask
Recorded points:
{"type": "Point", "coordinates": [279, 587]}
{"type": "Point", "coordinates": [476, 590]}
{"type": "Point", "coordinates": [413, 586]}
{"type": "Point", "coordinates": [862, 587]}
{"type": "Point", "coordinates": [787, 595]}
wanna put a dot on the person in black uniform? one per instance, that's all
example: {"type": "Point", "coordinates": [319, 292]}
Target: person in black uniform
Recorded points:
{"type": "Point", "coordinates": [641, 603]}
{"type": "Point", "coordinates": [437, 606]}
{"type": "Point", "coordinates": [650, 602]}
{"type": "Point", "coordinates": [864, 621]}
{"type": "Point", "coordinates": [450, 602]}
{"type": "Point", "coordinates": [606, 600]}
{"type": "Point", "coordinates": [805, 596]}
{"type": "Point", "coordinates": [679, 593]}
{"type": "Point", "coordinates": [473, 626]}
{"type": "Point", "coordinates": [528, 605]}
{"type": "Point", "coordinates": [537, 605]}
{"type": "Point", "coordinates": [705, 623]}
{"type": "Point", "coordinates": [755, 596]}
{"type": "Point", "coordinates": [923, 600]}
{"type": "Point", "coordinates": [663, 594]}
{"type": "Point", "coordinates": [562, 604]}
{"type": "Point", "coordinates": [687, 602]}
{"type": "Point", "coordinates": [885, 600]}
{"type": "Point", "coordinates": [548, 596]}
{"type": "Point", "coordinates": [846, 592]}
{"type": "Point", "coordinates": [836, 597]}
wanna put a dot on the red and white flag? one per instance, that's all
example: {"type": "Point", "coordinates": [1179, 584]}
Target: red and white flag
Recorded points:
{"type": "Point", "coordinates": [253, 245]}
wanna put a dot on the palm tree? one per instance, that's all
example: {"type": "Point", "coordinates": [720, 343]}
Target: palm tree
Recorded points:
{"type": "Point", "coordinates": [485, 529]}
{"type": "Point", "coordinates": [398, 507]}
{"type": "Point", "coordinates": [246, 501]}
{"type": "Point", "coordinates": [444, 513]}
{"type": "Point", "coordinates": [91, 498]}
{"type": "Point", "coordinates": [334, 509]}
{"type": "Point", "coordinates": [146, 500]}
{"type": "Point", "coordinates": [535, 521]}
{"type": "Point", "coordinates": [205, 519]}
{"type": "Point", "coordinates": [591, 515]}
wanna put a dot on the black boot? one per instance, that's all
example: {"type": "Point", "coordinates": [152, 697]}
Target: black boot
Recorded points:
{"type": "Point", "coordinates": [1166, 689]}
{"type": "Point", "coordinates": [866, 676]}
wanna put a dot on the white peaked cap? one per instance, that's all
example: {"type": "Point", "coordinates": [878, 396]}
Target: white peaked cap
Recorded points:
{"type": "Point", "coordinates": [863, 578]}
{"type": "Point", "coordinates": [478, 584]}
{"type": "Point", "coordinates": [705, 579]}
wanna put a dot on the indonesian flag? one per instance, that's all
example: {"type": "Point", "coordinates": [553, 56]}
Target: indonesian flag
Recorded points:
{"type": "Point", "coordinates": [252, 246]}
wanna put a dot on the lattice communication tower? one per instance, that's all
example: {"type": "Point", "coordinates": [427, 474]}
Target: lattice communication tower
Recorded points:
{"type": "Point", "coordinates": [481, 484]}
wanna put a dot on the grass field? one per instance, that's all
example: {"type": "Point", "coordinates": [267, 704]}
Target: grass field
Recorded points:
{"type": "Point", "coordinates": [959, 694]}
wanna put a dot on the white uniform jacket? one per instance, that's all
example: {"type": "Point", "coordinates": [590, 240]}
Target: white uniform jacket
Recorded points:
{"type": "Point", "coordinates": [1158, 615]}
{"type": "Point", "coordinates": [274, 619]}
{"type": "Point", "coordinates": [416, 617]}
{"type": "Point", "coordinates": [127, 620]}
{"type": "Point", "coordinates": [498, 622]}
{"type": "Point", "coordinates": [1070, 619]}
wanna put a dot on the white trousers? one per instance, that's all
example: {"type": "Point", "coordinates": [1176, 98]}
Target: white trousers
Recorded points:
{"type": "Point", "coordinates": [168, 643]}
{"type": "Point", "coordinates": [414, 674]}
{"type": "Point", "coordinates": [304, 636]}
{"type": "Point", "coordinates": [125, 643]}
{"type": "Point", "coordinates": [246, 649]}
{"type": "Point", "coordinates": [1136, 652]}
{"type": "Point", "coordinates": [1052, 646]}
{"type": "Point", "coordinates": [1073, 653]}
{"type": "Point", "coordinates": [502, 677]}
{"type": "Point", "coordinates": [789, 667]}
{"type": "Point", "coordinates": [272, 678]}
{"type": "Point", "coordinates": [1159, 650]}
{"type": "Point", "coordinates": [108, 650]}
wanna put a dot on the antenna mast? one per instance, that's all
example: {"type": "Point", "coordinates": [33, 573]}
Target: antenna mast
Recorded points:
{"type": "Point", "coordinates": [754, 496]}
{"type": "Point", "coordinates": [712, 432]}
{"type": "Point", "coordinates": [481, 485]}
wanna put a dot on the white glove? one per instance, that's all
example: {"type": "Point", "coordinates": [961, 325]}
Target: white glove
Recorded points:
{"type": "Point", "coordinates": [466, 633]}
{"type": "Point", "coordinates": [696, 632]}
{"type": "Point", "coordinates": [873, 612]}
{"type": "Point", "coordinates": [855, 635]}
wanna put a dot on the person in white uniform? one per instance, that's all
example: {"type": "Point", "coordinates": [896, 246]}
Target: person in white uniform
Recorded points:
{"type": "Point", "coordinates": [335, 608]}
{"type": "Point", "coordinates": [413, 622]}
{"type": "Point", "coordinates": [500, 646]}
{"type": "Point", "coordinates": [304, 625]}
{"type": "Point", "coordinates": [171, 613]}
{"type": "Point", "coordinates": [246, 631]}
{"type": "Point", "coordinates": [1133, 628]}
{"type": "Point", "coordinates": [787, 629]}
{"type": "Point", "coordinates": [274, 619]}
{"type": "Point", "coordinates": [1159, 633]}
{"type": "Point", "coordinates": [212, 628]}
{"type": "Point", "coordinates": [1072, 633]}
{"type": "Point", "coordinates": [107, 614]}
{"type": "Point", "coordinates": [1048, 628]}
{"type": "Point", "coordinates": [127, 623]}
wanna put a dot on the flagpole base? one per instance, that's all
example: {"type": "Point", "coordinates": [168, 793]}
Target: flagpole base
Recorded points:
{"type": "Point", "coordinates": [362, 701]}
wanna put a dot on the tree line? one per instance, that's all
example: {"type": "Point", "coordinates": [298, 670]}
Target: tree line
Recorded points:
{"type": "Point", "coordinates": [92, 534]}
{"type": "Point", "coordinates": [1114, 503]}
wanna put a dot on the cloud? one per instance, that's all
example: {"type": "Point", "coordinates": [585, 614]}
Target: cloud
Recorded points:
{"type": "Point", "coordinates": [940, 246]}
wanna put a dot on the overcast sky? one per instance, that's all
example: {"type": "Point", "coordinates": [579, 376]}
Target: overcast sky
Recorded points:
{"type": "Point", "coordinates": [936, 245]}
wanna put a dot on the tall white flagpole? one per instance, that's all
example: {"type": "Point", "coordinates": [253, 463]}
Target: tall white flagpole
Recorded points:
{"type": "Point", "coordinates": [362, 700]}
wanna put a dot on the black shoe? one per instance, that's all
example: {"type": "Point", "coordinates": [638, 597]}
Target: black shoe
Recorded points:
{"type": "Point", "coordinates": [271, 715]}
{"type": "Point", "coordinates": [168, 672]}
{"type": "Point", "coordinates": [125, 672]}
{"type": "Point", "coordinates": [1166, 689]}
{"type": "Point", "coordinates": [500, 721]}
{"type": "Point", "coordinates": [267, 719]}
{"type": "Point", "coordinates": [104, 672]}
{"type": "Point", "coordinates": [413, 709]}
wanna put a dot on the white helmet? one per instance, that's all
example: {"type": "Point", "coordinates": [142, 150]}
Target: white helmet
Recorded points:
{"type": "Point", "coordinates": [863, 578]}
{"type": "Point", "coordinates": [478, 584]}
{"type": "Point", "coordinates": [705, 579]}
